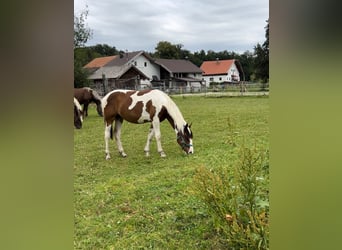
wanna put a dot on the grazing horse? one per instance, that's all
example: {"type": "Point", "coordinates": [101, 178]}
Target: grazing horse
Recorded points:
{"type": "Point", "coordinates": [78, 114]}
{"type": "Point", "coordinates": [140, 107]}
{"type": "Point", "coordinates": [87, 95]}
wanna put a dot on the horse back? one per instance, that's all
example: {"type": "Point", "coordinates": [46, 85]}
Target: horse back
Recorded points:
{"type": "Point", "coordinates": [130, 106]}
{"type": "Point", "coordinates": [83, 95]}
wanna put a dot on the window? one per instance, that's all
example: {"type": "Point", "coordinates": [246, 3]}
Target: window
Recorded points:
{"type": "Point", "coordinates": [211, 79]}
{"type": "Point", "coordinates": [145, 64]}
{"type": "Point", "coordinates": [220, 78]}
{"type": "Point", "coordinates": [135, 63]}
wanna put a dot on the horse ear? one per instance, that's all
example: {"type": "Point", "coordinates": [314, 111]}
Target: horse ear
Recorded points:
{"type": "Point", "coordinates": [190, 125]}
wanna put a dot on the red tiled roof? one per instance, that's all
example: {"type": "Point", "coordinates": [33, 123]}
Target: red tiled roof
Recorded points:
{"type": "Point", "coordinates": [99, 62]}
{"type": "Point", "coordinates": [218, 67]}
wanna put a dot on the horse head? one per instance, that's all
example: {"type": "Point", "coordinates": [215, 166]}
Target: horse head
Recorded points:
{"type": "Point", "coordinates": [95, 97]}
{"type": "Point", "coordinates": [184, 139]}
{"type": "Point", "coordinates": [78, 114]}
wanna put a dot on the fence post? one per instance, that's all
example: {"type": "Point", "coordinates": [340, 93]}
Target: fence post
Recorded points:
{"type": "Point", "coordinates": [104, 82]}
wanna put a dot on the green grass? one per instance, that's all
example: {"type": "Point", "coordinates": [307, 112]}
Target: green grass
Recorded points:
{"type": "Point", "coordinates": [141, 203]}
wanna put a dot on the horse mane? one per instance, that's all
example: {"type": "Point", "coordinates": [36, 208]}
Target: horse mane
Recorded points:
{"type": "Point", "coordinates": [95, 95]}
{"type": "Point", "coordinates": [175, 114]}
{"type": "Point", "coordinates": [77, 104]}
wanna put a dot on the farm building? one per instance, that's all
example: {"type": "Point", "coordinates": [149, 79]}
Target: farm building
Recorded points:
{"type": "Point", "coordinates": [137, 70]}
{"type": "Point", "coordinates": [179, 73]}
{"type": "Point", "coordinates": [222, 71]}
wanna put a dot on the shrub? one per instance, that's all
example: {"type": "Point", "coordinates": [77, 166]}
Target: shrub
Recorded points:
{"type": "Point", "coordinates": [237, 199]}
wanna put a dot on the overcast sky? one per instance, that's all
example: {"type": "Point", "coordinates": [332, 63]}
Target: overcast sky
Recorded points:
{"type": "Point", "coordinates": [232, 25]}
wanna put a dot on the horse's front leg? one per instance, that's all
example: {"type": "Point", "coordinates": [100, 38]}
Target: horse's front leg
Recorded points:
{"type": "Point", "coordinates": [117, 136]}
{"type": "Point", "coordinates": [149, 139]}
{"type": "Point", "coordinates": [85, 108]}
{"type": "Point", "coordinates": [156, 128]}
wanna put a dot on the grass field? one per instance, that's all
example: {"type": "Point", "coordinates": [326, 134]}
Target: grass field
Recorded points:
{"type": "Point", "coordinates": [142, 203]}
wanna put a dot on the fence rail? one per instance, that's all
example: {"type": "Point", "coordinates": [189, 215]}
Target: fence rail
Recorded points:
{"type": "Point", "coordinates": [240, 88]}
{"type": "Point", "coordinates": [234, 88]}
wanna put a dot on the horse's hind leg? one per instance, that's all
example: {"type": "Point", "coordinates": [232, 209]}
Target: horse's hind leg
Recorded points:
{"type": "Point", "coordinates": [117, 136]}
{"type": "Point", "coordinates": [108, 130]}
{"type": "Point", "coordinates": [149, 139]}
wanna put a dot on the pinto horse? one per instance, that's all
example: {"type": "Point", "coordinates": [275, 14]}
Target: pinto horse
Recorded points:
{"type": "Point", "coordinates": [78, 114]}
{"type": "Point", "coordinates": [140, 107]}
{"type": "Point", "coordinates": [87, 95]}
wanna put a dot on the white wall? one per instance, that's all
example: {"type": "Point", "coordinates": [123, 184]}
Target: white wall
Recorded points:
{"type": "Point", "coordinates": [233, 71]}
{"type": "Point", "coordinates": [147, 67]}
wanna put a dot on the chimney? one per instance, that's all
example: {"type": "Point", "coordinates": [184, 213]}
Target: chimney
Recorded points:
{"type": "Point", "coordinates": [217, 60]}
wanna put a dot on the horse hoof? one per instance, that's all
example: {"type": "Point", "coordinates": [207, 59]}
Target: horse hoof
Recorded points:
{"type": "Point", "coordinates": [107, 157]}
{"type": "Point", "coordinates": [147, 154]}
{"type": "Point", "coordinates": [123, 154]}
{"type": "Point", "coordinates": [162, 154]}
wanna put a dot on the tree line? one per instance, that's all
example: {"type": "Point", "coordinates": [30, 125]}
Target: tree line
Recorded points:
{"type": "Point", "coordinates": [255, 64]}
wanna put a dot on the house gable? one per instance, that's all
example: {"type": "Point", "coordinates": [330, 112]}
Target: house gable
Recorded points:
{"type": "Point", "coordinates": [222, 71]}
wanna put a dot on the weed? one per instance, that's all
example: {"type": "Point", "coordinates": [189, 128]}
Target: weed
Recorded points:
{"type": "Point", "coordinates": [237, 199]}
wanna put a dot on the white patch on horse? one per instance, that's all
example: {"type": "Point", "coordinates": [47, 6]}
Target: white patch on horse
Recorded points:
{"type": "Point", "coordinates": [191, 149]}
{"type": "Point", "coordinates": [104, 100]}
{"type": "Point", "coordinates": [78, 105]}
{"type": "Point", "coordinates": [145, 98]}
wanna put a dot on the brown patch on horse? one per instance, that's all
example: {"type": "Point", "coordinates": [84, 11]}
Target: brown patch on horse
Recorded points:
{"type": "Point", "coordinates": [163, 114]}
{"type": "Point", "coordinates": [110, 111]}
{"type": "Point", "coordinates": [150, 109]}
{"type": "Point", "coordinates": [82, 94]}
{"type": "Point", "coordinates": [117, 107]}
{"type": "Point", "coordinates": [134, 114]}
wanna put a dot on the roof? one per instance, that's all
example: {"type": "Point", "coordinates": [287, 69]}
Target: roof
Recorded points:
{"type": "Point", "coordinates": [178, 66]}
{"type": "Point", "coordinates": [115, 72]}
{"type": "Point", "coordinates": [218, 67]}
{"type": "Point", "coordinates": [99, 62]}
{"type": "Point", "coordinates": [126, 57]}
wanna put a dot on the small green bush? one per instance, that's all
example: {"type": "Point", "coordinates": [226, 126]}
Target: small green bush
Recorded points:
{"type": "Point", "coordinates": [237, 199]}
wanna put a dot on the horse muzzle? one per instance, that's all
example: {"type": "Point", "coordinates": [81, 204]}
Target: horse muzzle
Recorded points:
{"type": "Point", "coordinates": [191, 151]}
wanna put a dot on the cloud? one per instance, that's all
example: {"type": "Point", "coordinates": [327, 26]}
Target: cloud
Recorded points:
{"type": "Point", "coordinates": [197, 24]}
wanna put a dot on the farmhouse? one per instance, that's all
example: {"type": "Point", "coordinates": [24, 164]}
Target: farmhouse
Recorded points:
{"type": "Point", "coordinates": [137, 70]}
{"type": "Point", "coordinates": [179, 73]}
{"type": "Point", "coordinates": [222, 71]}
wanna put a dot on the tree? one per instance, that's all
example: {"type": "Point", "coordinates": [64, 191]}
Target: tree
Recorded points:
{"type": "Point", "coordinates": [165, 50]}
{"type": "Point", "coordinates": [104, 50]}
{"type": "Point", "coordinates": [82, 34]}
{"type": "Point", "coordinates": [246, 61]}
{"type": "Point", "coordinates": [261, 60]}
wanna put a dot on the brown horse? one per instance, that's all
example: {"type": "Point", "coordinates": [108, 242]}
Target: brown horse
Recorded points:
{"type": "Point", "coordinates": [87, 95]}
{"type": "Point", "coordinates": [78, 114]}
{"type": "Point", "coordinates": [144, 106]}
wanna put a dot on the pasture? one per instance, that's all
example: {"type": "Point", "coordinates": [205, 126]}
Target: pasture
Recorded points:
{"type": "Point", "coordinates": [141, 203]}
